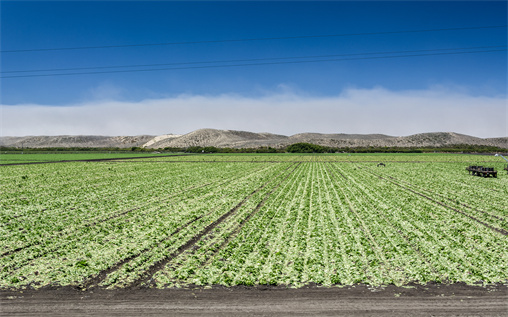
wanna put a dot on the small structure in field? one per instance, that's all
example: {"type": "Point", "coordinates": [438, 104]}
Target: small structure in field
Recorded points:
{"type": "Point", "coordinates": [381, 164]}
{"type": "Point", "coordinates": [482, 171]}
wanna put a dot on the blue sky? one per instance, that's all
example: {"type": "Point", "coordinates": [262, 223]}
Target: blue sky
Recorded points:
{"type": "Point", "coordinates": [402, 92]}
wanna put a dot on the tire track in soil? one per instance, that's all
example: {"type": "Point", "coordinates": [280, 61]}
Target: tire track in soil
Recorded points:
{"type": "Point", "coordinates": [115, 216]}
{"type": "Point", "coordinates": [499, 230]}
{"type": "Point", "coordinates": [237, 229]}
{"type": "Point", "coordinates": [27, 261]}
{"type": "Point", "coordinates": [147, 278]}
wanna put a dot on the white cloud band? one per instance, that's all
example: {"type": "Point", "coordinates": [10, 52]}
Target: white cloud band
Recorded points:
{"type": "Point", "coordinates": [353, 111]}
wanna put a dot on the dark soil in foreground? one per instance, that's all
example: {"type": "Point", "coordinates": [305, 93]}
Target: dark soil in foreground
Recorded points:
{"type": "Point", "coordinates": [429, 300]}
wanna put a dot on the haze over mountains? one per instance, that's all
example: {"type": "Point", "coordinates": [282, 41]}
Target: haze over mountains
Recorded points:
{"type": "Point", "coordinates": [245, 139]}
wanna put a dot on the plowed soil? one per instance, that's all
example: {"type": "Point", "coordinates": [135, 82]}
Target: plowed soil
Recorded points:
{"type": "Point", "coordinates": [361, 300]}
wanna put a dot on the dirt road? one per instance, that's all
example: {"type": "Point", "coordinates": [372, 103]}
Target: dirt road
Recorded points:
{"type": "Point", "coordinates": [429, 300]}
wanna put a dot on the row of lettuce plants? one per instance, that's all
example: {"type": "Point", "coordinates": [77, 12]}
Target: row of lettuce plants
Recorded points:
{"type": "Point", "coordinates": [453, 183]}
{"type": "Point", "coordinates": [459, 248]}
{"type": "Point", "coordinates": [223, 202]}
{"type": "Point", "coordinates": [50, 214]}
{"type": "Point", "coordinates": [90, 249]}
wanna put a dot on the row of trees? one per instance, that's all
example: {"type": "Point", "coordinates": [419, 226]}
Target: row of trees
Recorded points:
{"type": "Point", "coordinates": [293, 148]}
{"type": "Point", "coordinates": [458, 148]}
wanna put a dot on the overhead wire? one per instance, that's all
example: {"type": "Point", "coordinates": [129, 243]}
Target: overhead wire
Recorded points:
{"type": "Point", "coordinates": [254, 64]}
{"type": "Point", "coordinates": [247, 39]}
{"type": "Point", "coordinates": [245, 60]}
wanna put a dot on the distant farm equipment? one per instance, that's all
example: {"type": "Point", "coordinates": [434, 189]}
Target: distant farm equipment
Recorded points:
{"type": "Point", "coordinates": [381, 164]}
{"type": "Point", "coordinates": [482, 171]}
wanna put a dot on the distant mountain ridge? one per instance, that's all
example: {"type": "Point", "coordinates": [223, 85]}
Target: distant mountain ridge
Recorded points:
{"type": "Point", "coordinates": [245, 139]}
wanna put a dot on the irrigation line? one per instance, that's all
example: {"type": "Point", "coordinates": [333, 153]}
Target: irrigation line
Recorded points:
{"type": "Point", "coordinates": [97, 279]}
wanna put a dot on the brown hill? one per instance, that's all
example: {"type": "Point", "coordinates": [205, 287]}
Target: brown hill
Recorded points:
{"type": "Point", "coordinates": [245, 139]}
{"type": "Point", "coordinates": [222, 138]}
{"type": "Point", "coordinates": [67, 141]}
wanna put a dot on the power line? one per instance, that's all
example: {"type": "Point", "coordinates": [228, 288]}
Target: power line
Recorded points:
{"type": "Point", "coordinates": [252, 64]}
{"type": "Point", "coordinates": [245, 60]}
{"type": "Point", "coordinates": [250, 39]}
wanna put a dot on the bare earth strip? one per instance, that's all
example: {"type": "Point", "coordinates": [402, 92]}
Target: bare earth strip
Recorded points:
{"type": "Point", "coordinates": [429, 300]}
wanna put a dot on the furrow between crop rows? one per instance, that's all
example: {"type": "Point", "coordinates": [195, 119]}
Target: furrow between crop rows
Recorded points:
{"type": "Point", "coordinates": [160, 226]}
{"type": "Point", "coordinates": [243, 221]}
{"type": "Point", "coordinates": [68, 230]}
{"type": "Point", "coordinates": [448, 251]}
{"type": "Point", "coordinates": [499, 219]}
{"type": "Point", "coordinates": [399, 256]}
{"type": "Point", "coordinates": [199, 256]}
{"type": "Point", "coordinates": [94, 193]}
{"type": "Point", "coordinates": [147, 276]}
{"type": "Point", "coordinates": [257, 219]}
{"type": "Point", "coordinates": [500, 230]}
{"type": "Point", "coordinates": [103, 274]}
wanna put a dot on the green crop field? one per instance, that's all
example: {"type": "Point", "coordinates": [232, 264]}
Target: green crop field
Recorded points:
{"type": "Point", "coordinates": [35, 157]}
{"type": "Point", "coordinates": [254, 219]}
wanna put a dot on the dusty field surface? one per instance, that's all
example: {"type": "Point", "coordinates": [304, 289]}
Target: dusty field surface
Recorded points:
{"type": "Point", "coordinates": [429, 300]}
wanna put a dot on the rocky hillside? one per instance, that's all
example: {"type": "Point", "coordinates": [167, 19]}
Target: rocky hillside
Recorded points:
{"type": "Point", "coordinates": [223, 138]}
{"type": "Point", "coordinates": [244, 139]}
